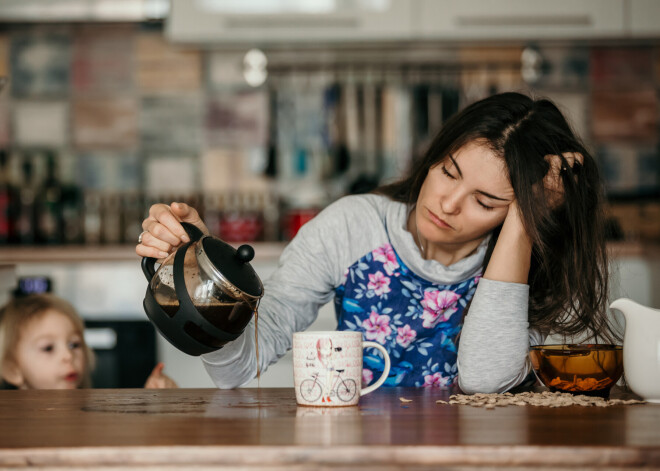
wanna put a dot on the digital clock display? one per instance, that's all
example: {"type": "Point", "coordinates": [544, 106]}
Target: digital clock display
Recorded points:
{"type": "Point", "coordinates": [34, 285]}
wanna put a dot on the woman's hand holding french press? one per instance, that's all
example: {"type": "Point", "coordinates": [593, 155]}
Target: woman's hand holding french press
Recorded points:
{"type": "Point", "coordinates": [162, 229]}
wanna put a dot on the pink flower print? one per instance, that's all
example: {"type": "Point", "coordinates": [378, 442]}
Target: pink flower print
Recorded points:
{"type": "Point", "coordinates": [405, 336]}
{"type": "Point", "coordinates": [438, 307]}
{"type": "Point", "coordinates": [379, 283]}
{"type": "Point", "coordinates": [385, 254]}
{"type": "Point", "coordinates": [367, 377]}
{"type": "Point", "coordinates": [436, 380]}
{"type": "Point", "coordinates": [377, 327]}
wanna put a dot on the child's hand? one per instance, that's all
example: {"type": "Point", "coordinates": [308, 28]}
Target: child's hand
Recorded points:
{"type": "Point", "coordinates": [159, 380]}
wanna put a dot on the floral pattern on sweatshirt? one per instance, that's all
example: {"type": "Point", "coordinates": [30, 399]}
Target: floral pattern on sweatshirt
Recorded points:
{"type": "Point", "coordinates": [417, 321]}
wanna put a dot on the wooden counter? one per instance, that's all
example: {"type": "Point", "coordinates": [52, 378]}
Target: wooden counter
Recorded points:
{"type": "Point", "coordinates": [257, 428]}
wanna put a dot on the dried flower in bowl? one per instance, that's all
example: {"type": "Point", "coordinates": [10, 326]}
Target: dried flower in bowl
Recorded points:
{"type": "Point", "coordinates": [589, 369]}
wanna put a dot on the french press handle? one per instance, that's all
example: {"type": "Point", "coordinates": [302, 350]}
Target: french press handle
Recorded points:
{"type": "Point", "coordinates": [149, 263]}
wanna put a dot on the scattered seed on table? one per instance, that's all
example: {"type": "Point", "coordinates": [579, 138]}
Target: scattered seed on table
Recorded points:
{"type": "Point", "coordinates": [544, 399]}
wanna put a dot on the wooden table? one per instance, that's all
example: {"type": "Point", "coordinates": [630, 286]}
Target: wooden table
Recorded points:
{"type": "Point", "coordinates": [263, 428]}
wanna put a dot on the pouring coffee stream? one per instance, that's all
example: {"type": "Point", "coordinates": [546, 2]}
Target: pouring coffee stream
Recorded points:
{"type": "Point", "coordinates": [204, 294]}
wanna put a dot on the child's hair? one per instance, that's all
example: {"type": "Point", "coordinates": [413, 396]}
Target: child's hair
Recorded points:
{"type": "Point", "coordinates": [18, 312]}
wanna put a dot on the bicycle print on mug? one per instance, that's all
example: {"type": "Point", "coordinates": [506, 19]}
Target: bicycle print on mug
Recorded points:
{"type": "Point", "coordinates": [328, 368]}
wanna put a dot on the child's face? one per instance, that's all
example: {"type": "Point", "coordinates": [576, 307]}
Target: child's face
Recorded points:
{"type": "Point", "coordinates": [49, 354]}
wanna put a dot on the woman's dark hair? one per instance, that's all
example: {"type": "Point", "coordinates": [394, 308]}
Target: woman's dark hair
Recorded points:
{"type": "Point", "coordinates": [568, 277]}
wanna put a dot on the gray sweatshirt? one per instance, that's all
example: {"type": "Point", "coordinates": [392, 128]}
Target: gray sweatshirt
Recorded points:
{"type": "Point", "coordinates": [495, 340]}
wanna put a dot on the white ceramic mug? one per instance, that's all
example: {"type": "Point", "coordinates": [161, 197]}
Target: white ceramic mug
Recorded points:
{"type": "Point", "coordinates": [327, 368]}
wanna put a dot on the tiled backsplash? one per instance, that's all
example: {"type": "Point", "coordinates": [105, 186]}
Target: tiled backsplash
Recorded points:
{"type": "Point", "coordinates": [126, 113]}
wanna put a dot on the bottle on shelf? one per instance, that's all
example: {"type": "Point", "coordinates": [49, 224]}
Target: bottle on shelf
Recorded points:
{"type": "Point", "coordinates": [212, 209]}
{"type": "Point", "coordinates": [271, 216]}
{"type": "Point", "coordinates": [305, 198]}
{"type": "Point", "coordinates": [25, 222]}
{"type": "Point", "coordinates": [48, 205]}
{"type": "Point", "coordinates": [231, 221]}
{"type": "Point", "coordinates": [92, 218]}
{"type": "Point", "coordinates": [131, 217]}
{"type": "Point", "coordinates": [8, 199]}
{"type": "Point", "coordinates": [111, 233]}
{"type": "Point", "coordinates": [72, 215]}
{"type": "Point", "coordinates": [253, 216]}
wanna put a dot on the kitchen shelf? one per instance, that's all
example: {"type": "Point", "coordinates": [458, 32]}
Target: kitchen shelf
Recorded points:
{"type": "Point", "coordinates": [12, 255]}
{"type": "Point", "coordinates": [264, 252]}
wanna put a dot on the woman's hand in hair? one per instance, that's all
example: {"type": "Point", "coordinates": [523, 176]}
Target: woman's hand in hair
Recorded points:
{"type": "Point", "coordinates": [510, 260]}
{"type": "Point", "coordinates": [552, 182]}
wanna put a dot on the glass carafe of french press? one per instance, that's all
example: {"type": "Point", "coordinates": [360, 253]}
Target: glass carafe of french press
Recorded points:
{"type": "Point", "coordinates": [204, 294]}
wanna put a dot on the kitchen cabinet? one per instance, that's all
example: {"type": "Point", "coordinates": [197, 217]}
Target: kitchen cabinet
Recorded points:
{"type": "Point", "coordinates": [521, 19]}
{"type": "Point", "coordinates": [292, 21]}
{"type": "Point", "coordinates": [83, 10]}
{"type": "Point", "coordinates": [644, 18]}
{"type": "Point", "coordinates": [212, 22]}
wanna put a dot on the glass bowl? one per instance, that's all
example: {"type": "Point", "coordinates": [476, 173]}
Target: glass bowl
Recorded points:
{"type": "Point", "coordinates": [589, 369]}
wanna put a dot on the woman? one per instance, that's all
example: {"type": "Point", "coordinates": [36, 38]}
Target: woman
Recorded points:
{"type": "Point", "coordinates": [502, 214]}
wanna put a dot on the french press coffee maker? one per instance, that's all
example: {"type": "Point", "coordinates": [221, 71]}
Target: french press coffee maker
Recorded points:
{"type": "Point", "coordinates": [204, 294]}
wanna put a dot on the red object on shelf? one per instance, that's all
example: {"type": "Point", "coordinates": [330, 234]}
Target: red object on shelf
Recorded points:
{"type": "Point", "coordinates": [295, 219]}
{"type": "Point", "coordinates": [239, 227]}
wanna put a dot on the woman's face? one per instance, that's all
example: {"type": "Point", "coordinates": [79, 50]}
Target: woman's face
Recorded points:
{"type": "Point", "coordinates": [463, 198]}
{"type": "Point", "coordinates": [49, 354]}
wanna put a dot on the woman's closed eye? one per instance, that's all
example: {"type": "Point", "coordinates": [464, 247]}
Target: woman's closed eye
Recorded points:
{"type": "Point", "coordinates": [449, 175]}
{"type": "Point", "coordinates": [485, 206]}
{"type": "Point", "coordinates": [446, 172]}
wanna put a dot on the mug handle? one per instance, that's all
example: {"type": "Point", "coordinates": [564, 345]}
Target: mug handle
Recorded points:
{"type": "Point", "coordinates": [386, 370]}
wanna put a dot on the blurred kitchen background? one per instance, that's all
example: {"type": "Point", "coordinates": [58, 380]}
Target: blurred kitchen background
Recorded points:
{"type": "Point", "coordinates": [261, 113]}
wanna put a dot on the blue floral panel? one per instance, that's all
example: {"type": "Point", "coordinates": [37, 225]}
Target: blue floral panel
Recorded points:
{"type": "Point", "coordinates": [417, 321]}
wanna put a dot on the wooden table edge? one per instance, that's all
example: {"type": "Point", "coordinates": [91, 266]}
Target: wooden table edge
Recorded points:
{"type": "Point", "coordinates": [339, 456]}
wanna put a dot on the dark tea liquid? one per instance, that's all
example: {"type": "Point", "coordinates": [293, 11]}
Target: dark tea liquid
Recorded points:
{"type": "Point", "coordinates": [230, 317]}
{"type": "Point", "coordinates": [588, 372]}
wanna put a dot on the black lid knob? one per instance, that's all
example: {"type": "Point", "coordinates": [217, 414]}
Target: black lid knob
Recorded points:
{"type": "Point", "coordinates": [245, 253]}
{"type": "Point", "coordinates": [234, 264]}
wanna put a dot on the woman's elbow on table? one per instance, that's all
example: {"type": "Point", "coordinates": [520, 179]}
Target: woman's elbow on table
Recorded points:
{"type": "Point", "coordinates": [474, 382]}
{"type": "Point", "coordinates": [475, 386]}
